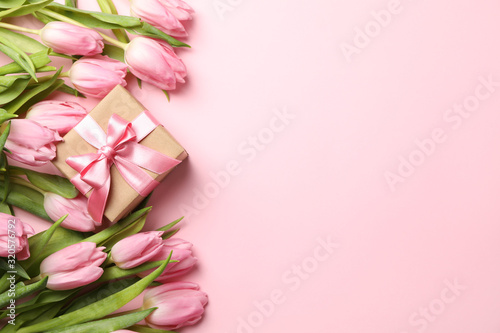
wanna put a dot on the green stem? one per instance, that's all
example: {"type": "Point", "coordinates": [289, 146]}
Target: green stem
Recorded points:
{"type": "Point", "coordinates": [66, 19]}
{"type": "Point", "coordinates": [18, 28]}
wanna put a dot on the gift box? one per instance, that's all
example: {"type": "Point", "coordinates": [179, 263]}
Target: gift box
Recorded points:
{"type": "Point", "coordinates": [80, 151]}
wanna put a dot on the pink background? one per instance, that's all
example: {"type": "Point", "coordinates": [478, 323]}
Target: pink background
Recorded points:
{"type": "Point", "coordinates": [422, 256]}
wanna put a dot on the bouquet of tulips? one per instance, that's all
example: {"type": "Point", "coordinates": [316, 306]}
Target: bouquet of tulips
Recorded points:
{"type": "Point", "coordinates": [77, 275]}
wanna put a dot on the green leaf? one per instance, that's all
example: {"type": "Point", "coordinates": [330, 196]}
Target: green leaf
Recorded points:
{"type": "Point", "coordinates": [5, 208]}
{"type": "Point", "coordinates": [39, 59]}
{"type": "Point", "coordinates": [51, 183]}
{"type": "Point", "coordinates": [39, 303]}
{"type": "Point", "coordinates": [103, 291]}
{"type": "Point", "coordinates": [18, 56]}
{"type": "Point", "coordinates": [26, 199]}
{"type": "Point", "coordinates": [21, 272]}
{"type": "Point", "coordinates": [46, 69]}
{"type": "Point", "coordinates": [25, 9]}
{"type": "Point", "coordinates": [25, 43]}
{"type": "Point", "coordinates": [3, 265]}
{"type": "Point", "coordinates": [38, 248]}
{"type": "Point", "coordinates": [22, 290]}
{"type": "Point", "coordinates": [71, 91]}
{"type": "Point", "coordinates": [129, 230]}
{"type": "Point", "coordinates": [98, 309]}
{"type": "Point", "coordinates": [170, 225]}
{"type": "Point", "coordinates": [4, 163]}
{"type": "Point", "coordinates": [169, 233]}
{"type": "Point", "coordinates": [4, 136]}
{"type": "Point", "coordinates": [4, 283]}
{"type": "Point", "coordinates": [107, 233]}
{"type": "Point", "coordinates": [11, 3]}
{"type": "Point", "coordinates": [17, 268]}
{"type": "Point", "coordinates": [94, 19]}
{"type": "Point", "coordinates": [148, 30]}
{"type": "Point", "coordinates": [114, 52]}
{"type": "Point", "coordinates": [34, 95]}
{"type": "Point", "coordinates": [14, 91]}
{"type": "Point", "coordinates": [41, 96]}
{"type": "Point", "coordinates": [46, 296]}
{"type": "Point", "coordinates": [39, 314]}
{"type": "Point", "coordinates": [71, 3]}
{"type": "Point", "coordinates": [115, 272]}
{"type": "Point", "coordinates": [7, 81]}
{"type": "Point", "coordinates": [7, 181]}
{"type": "Point", "coordinates": [146, 329]}
{"type": "Point", "coordinates": [106, 325]}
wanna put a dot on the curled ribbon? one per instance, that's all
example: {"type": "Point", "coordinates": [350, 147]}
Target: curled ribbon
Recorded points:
{"type": "Point", "coordinates": [120, 146]}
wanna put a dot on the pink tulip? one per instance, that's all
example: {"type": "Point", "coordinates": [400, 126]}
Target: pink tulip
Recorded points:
{"type": "Point", "coordinates": [181, 251]}
{"type": "Point", "coordinates": [136, 249]}
{"type": "Point", "coordinates": [179, 304]}
{"type": "Point", "coordinates": [31, 143]}
{"type": "Point", "coordinates": [78, 216]}
{"type": "Point", "coordinates": [124, 331]}
{"type": "Point", "coordinates": [74, 266]}
{"type": "Point", "coordinates": [57, 115]}
{"type": "Point", "coordinates": [155, 61]}
{"type": "Point", "coordinates": [163, 14]}
{"type": "Point", "coordinates": [96, 76]}
{"type": "Point", "coordinates": [14, 237]}
{"type": "Point", "coordinates": [70, 39]}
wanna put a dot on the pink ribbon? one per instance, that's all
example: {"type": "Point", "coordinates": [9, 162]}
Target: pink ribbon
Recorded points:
{"type": "Point", "coordinates": [120, 146]}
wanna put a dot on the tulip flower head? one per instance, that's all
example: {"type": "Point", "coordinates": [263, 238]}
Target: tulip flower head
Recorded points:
{"type": "Point", "coordinates": [181, 252]}
{"type": "Point", "coordinates": [71, 39]}
{"type": "Point", "coordinates": [74, 266]}
{"type": "Point", "coordinates": [178, 304]}
{"type": "Point", "coordinates": [96, 76]}
{"type": "Point", "coordinates": [163, 14]}
{"type": "Point", "coordinates": [136, 249]}
{"type": "Point", "coordinates": [31, 143]}
{"type": "Point", "coordinates": [154, 61]}
{"type": "Point", "coordinates": [57, 115]}
{"type": "Point", "coordinates": [14, 237]}
{"type": "Point", "coordinates": [78, 218]}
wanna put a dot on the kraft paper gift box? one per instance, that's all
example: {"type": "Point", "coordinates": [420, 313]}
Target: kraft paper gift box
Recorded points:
{"type": "Point", "coordinates": [122, 197]}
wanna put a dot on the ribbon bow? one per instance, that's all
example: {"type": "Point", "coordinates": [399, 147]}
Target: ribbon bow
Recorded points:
{"type": "Point", "coordinates": [120, 146]}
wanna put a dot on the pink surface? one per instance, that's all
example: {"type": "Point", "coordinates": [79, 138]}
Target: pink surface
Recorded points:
{"type": "Point", "coordinates": [421, 255]}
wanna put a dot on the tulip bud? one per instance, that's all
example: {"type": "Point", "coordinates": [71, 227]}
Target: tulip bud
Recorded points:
{"type": "Point", "coordinates": [178, 304]}
{"type": "Point", "coordinates": [31, 143]}
{"type": "Point", "coordinates": [136, 249]}
{"type": "Point", "coordinates": [74, 266]}
{"type": "Point", "coordinates": [154, 61]}
{"type": "Point", "coordinates": [163, 14]}
{"type": "Point", "coordinates": [181, 251]}
{"type": "Point", "coordinates": [96, 76]}
{"type": "Point", "coordinates": [71, 39]}
{"type": "Point", "coordinates": [14, 237]}
{"type": "Point", "coordinates": [57, 115]}
{"type": "Point", "coordinates": [78, 218]}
